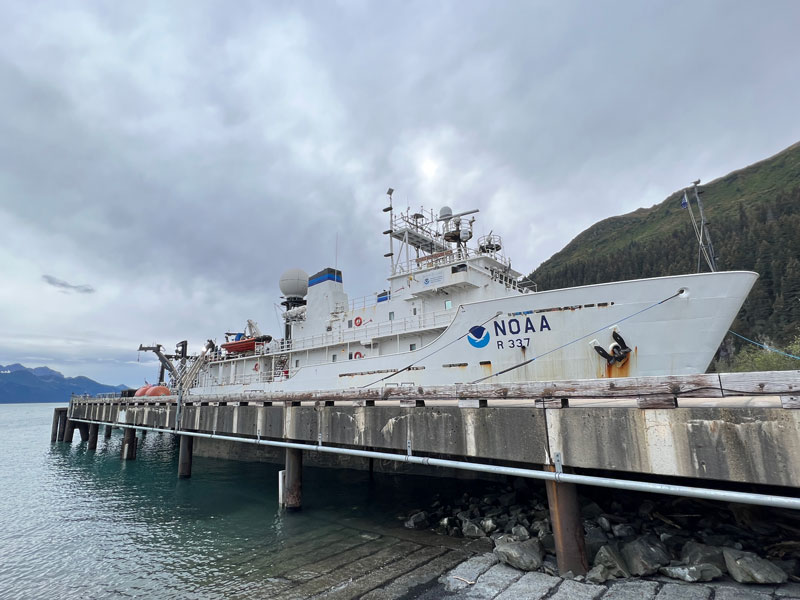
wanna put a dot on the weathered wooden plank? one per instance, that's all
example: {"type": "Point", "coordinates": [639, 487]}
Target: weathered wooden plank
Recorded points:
{"type": "Point", "coordinates": [683, 386]}
{"type": "Point", "coordinates": [790, 401]}
{"type": "Point", "coordinates": [657, 401]}
{"type": "Point", "coordinates": [760, 382]}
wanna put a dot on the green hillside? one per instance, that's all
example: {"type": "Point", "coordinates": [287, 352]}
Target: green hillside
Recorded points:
{"type": "Point", "coordinates": [754, 215]}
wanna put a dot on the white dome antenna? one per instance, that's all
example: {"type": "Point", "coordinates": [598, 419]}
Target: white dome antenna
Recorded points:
{"type": "Point", "coordinates": [294, 283]}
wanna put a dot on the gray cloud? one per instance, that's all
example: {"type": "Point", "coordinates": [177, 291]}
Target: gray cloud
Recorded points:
{"type": "Point", "coordinates": [66, 286]}
{"type": "Point", "coordinates": [182, 156]}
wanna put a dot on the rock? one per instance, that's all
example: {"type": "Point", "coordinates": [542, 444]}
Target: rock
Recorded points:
{"type": "Point", "coordinates": [694, 553]}
{"type": "Point", "coordinates": [604, 523]}
{"type": "Point", "coordinates": [503, 538]}
{"type": "Point", "coordinates": [645, 555]}
{"type": "Point", "coordinates": [548, 542]}
{"type": "Point", "coordinates": [692, 573]}
{"type": "Point", "coordinates": [598, 574]}
{"type": "Point", "coordinates": [446, 524]}
{"type": "Point", "coordinates": [507, 500]}
{"type": "Point", "coordinates": [612, 560]}
{"type": "Point", "coordinates": [488, 525]}
{"type": "Point", "coordinates": [746, 567]}
{"type": "Point", "coordinates": [520, 533]}
{"type": "Point", "coordinates": [595, 539]}
{"type": "Point", "coordinates": [646, 509]}
{"type": "Point", "coordinates": [526, 556]}
{"type": "Point", "coordinates": [417, 521]}
{"type": "Point", "coordinates": [464, 516]}
{"type": "Point", "coordinates": [791, 566]}
{"type": "Point", "coordinates": [591, 511]}
{"type": "Point", "coordinates": [623, 530]}
{"type": "Point", "coordinates": [541, 526]}
{"type": "Point", "coordinates": [471, 530]}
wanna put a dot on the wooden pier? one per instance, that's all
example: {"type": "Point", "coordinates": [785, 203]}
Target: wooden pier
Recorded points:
{"type": "Point", "coordinates": [739, 428]}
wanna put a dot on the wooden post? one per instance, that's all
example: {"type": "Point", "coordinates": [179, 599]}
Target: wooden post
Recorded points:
{"type": "Point", "coordinates": [62, 425]}
{"type": "Point", "coordinates": [94, 428]}
{"type": "Point", "coordinates": [107, 434]}
{"type": "Point", "coordinates": [69, 430]}
{"type": "Point", "coordinates": [83, 428]}
{"type": "Point", "coordinates": [56, 421]}
{"type": "Point", "coordinates": [129, 444]}
{"type": "Point", "coordinates": [293, 491]}
{"type": "Point", "coordinates": [185, 457]}
{"type": "Point", "coordinates": [565, 517]}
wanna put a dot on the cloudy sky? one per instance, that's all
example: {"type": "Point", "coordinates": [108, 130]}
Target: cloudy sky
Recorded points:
{"type": "Point", "coordinates": [162, 163]}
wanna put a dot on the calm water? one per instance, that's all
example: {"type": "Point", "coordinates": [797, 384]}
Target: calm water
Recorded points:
{"type": "Point", "coordinates": [85, 524]}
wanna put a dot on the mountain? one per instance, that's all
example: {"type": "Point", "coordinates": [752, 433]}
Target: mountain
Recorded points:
{"type": "Point", "coordinates": [43, 384]}
{"type": "Point", "coordinates": [754, 219]}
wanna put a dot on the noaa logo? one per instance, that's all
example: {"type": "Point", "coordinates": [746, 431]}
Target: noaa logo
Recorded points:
{"type": "Point", "coordinates": [478, 337]}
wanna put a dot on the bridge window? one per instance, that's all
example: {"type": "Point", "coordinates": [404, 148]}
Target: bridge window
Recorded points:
{"type": "Point", "coordinates": [448, 304]}
{"type": "Point", "coordinates": [414, 312]}
{"type": "Point", "coordinates": [333, 358]}
{"type": "Point", "coordinates": [391, 315]}
{"type": "Point", "coordinates": [350, 324]}
{"type": "Point", "coordinates": [296, 363]}
{"type": "Point", "coordinates": [412, 346]}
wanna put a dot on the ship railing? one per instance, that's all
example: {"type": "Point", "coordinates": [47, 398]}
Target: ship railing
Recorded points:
{"type": "Point", "coordinates": [448, 257]}
{"type": "Point", "coordinates": [369, 331]}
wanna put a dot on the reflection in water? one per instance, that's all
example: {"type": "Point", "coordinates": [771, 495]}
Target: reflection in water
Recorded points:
{"type": "Point", "coordinates": [81, 523]}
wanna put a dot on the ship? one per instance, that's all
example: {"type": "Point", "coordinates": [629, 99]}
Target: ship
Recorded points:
{"type": "Point", "coordinates": [454, 311]}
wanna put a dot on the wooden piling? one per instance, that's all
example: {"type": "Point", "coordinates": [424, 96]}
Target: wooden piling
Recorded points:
{"type": "Point", "coordinates": [69, 430]}
{"type": "Point", "coordinates": [293, 491]}
{"type": "Point", "coordinates": [62, 424]}
{"type": "Point", "coordinates": [94, 429]}
{"type": "Point", "coordinates": [129, 444]}
{"type": "Point", "coordinates": [107, 434]}
{"type": "Point", "coordinates": [565, 518]}
{"type": "Point", "coordinates": [185, 457]}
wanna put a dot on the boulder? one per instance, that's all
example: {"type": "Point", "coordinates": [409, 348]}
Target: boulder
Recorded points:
{"type": "Point", "coordinates": [692, 573]}
{"type": "Point", "coordinates": [623, 530]}
{"type": "Point", "coordinates": [595, 539]}
{"type": "Point", "coordinates": [645, 555]}
{"type": "Point", "coordinates": [471, 530]}
{"type": "Point", "coordinates": [417, 521]}
{"type": "Point", "coordinates": [488, 525]}
{"type": "Point", "coordinates": [526, 556]}
{"type": "Point", "coordinates": [610, 558]}
{"type": "Point", "coordinates": [520, 533]}
{"type": "Point", "coordinates": [598, 574]}
{"type": "Point", "coordinates": [694, 553]}
{"type": "Point", "coordinates": [604, 523]}
{"type": "Point", "coordinates": [591, 510]}
{"type": "Point", "coordinates": [508, 499]}
{"type": "Point", "coordinates": [746, 567]}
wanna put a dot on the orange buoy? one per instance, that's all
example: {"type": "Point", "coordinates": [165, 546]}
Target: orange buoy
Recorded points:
{"type": "Point", "coordinates": [158, 390]}
{"type": "Point", "coordinates": [142, 390]}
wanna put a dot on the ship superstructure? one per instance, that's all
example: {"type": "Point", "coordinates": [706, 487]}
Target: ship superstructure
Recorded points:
{"type": "Point", "coordinates": [455, 311]}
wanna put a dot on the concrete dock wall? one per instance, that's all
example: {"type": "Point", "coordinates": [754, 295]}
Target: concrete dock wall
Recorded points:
{"type": "Point", "coordinates": [749, 444]}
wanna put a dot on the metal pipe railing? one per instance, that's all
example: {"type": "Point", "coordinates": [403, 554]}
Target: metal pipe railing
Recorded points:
{"type": "Point", "coordinates": [606, 482]}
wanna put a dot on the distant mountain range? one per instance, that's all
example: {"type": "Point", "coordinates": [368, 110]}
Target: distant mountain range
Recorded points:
{"type": "Point", "coordinates": [42, 384]}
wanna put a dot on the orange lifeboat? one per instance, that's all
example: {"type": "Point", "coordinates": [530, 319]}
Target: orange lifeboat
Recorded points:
{"type": "Point", "coordinates": [158, 390]}
{"type": "Point", "coordinates": [142, 390]}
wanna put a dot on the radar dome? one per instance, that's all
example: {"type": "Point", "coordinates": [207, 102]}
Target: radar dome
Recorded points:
{"type": "Point", "coordinates": [445, 213]}
{"type": "Point", "coordinates": [294, 283]}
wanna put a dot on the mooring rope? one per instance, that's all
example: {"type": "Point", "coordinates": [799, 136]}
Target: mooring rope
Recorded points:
{"type": "Point", "coordinates": [578, 339]}
{"type": "Point", "coordinates": [764, 346]}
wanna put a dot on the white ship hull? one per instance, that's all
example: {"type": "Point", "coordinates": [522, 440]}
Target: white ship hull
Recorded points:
{"type": "Point", "coordinates": [673, 326]}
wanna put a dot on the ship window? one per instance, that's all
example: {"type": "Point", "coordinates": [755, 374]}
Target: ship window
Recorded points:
{"type": "Point", "coordinates": [462, 268]}
{"type": "Point", "coordinates": [350, 324]}
{"type": "Point", "coordinates": [412, 346]}
{"type": "Point", "coordinates": [350, 356]}
{"type": "Point", "coordinates": [333, 358]}
{"type": "Point", "coordinates": [391, 315]}
{"type": "Point", "coordinates": [448, 304]}
{"type": "Point", "coordinates": [296, 363]}
{"type": "Point", "coordinates": [415, 312]}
